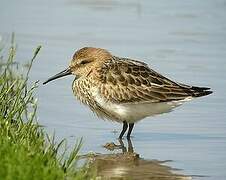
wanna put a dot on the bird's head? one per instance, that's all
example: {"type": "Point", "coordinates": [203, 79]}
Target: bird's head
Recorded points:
{"type": "Point", "coordinates": [84, 61]}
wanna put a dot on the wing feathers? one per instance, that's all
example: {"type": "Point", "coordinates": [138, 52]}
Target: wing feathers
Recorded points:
{"type": "Point", "coordinates": [130, 81]}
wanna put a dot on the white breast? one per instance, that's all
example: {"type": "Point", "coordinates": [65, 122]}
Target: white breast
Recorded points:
{"type": "Point", "coordinates": [135, 111]}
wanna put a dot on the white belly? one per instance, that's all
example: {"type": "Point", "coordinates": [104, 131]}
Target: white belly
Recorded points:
{"type": "Point", "coordinates": [135, 111]}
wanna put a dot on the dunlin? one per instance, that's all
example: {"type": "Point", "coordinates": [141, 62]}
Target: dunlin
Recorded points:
{"type": "Point", "coordinates": [122, 89]}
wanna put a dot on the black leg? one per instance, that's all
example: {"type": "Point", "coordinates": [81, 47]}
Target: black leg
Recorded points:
{"type": "Point", "coordinates": [130, 130]}
{"type": "Point", "coordinates": [125, 126]}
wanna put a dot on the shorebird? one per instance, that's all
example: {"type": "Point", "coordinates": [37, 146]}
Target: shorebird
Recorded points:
{"type": "Point", "coordinates": [122, 89]}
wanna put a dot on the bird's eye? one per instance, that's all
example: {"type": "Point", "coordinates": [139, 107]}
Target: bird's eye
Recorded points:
{"type": "Point", "coordinates": [85, 61]}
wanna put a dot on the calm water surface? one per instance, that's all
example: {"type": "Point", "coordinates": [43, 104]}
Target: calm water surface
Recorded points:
{"type": "Point", "coordinates": [184, 40]}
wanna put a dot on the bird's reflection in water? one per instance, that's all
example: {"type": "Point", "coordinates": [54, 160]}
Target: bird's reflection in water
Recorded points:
{"type": "Point", "coordinates": [128, 165]}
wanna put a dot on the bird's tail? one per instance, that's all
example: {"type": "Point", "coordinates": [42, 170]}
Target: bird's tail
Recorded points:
{"type": "Point", "coordinates": [200, 91]}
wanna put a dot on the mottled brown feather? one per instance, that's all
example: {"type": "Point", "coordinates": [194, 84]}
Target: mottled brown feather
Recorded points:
{"type": "Point", "coordinates": [130, 81]}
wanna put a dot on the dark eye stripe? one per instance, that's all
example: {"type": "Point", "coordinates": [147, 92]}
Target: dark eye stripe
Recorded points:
{"type": "Point", "coordinates": [85, 61]}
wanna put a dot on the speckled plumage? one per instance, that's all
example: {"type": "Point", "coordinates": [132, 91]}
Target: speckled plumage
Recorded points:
{"type": "Point", "coordinates": [124, 90]}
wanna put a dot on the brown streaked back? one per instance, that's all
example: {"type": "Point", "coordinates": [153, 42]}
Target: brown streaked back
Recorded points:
{"type": "Point", "coordinates": [129, 81]}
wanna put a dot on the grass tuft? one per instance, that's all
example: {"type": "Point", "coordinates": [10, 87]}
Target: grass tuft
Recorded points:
{"type": "Point", "coordinates": [26, 152]}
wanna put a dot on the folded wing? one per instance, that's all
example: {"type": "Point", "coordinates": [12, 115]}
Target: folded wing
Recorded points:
{"type": "Point", "coordinates": [129, 81]}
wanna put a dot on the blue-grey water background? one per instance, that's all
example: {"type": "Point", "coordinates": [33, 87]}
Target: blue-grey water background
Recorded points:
{"type": "Point", "coordinates": [184, 40]}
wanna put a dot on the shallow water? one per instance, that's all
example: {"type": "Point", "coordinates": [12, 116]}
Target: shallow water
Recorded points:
{"type": "Point", "coordinates": [184, 40]}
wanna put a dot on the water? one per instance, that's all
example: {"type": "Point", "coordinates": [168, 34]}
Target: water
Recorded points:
{"type": "Point", "coordinates": [183, 40]}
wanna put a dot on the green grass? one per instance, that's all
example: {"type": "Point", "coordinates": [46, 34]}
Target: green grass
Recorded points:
{"type": "Point", "coordinates": [26, 151]}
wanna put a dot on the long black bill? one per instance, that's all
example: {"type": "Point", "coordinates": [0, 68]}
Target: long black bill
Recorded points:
{"type": "Point", "coordinates": [59, 75]}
